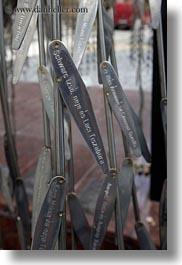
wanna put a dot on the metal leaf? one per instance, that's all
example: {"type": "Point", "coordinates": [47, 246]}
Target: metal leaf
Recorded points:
{"type": "Point", "coordinates": [143, 144]}
{"type": "Point", "coordinates": [23, 17]}
{"type": "Point", "coordinates": [21, 54]}
{"type": "Point", "coordinates": [119, 104]}
{"type": "Point", "coordinates": [108, 30]}
{"type": "Point", "coordinates": [163, 217]}
{"type": "Point", "coordinates": [164, 114]}
{"type": "Point", "coordinates": [103, 213]}
{"type": "Point", "coordinates": [79, 220]}
{"type": "Point", "coordinates": [84, 26]}
{"type": "Point", "coordinates": [155, 8]}
{"type": "Point", "coordinates": [144, 238]}
{"type": "Point", "coordinates": [125, 184]}
{"type": "Point", "coordinates": [43, 177]}
{"type": "Point", "coordinates": [46, 87]}
{"type": "Point", "coordinates": [78, 101]}
{"type": "Point", "coordinates": [50, 217]}
{"type": "Point", "coordinates": [6, 187]}
{"type": "Point", "coordinates": [22, 205]}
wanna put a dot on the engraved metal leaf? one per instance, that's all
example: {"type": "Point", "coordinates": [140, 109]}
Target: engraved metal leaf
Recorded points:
{"type": "Point", "coordinates": [119, 104]}
{"type": "Point", "coordinates": [79, 221]}
{"type": "Point", "coordinates": [46, 87]}
{"type": "Point", "coordinates": [50, 217]}
{"type": "Point", "coordinates": [84, 26]}
{"type": "Point", "coordinates": [22, 21]}
{"type": "Point", "coordinates": [125, 184]}
{"type": "Point", "coordinates": [144, 238]}
{"type": "Point", "coordinates": [103, 213]}
{"type": "Point", "coordinates": [78, 101]}
{"type": "Point", "coordinates": [108, 30]}
{"type": "Point", "coordinates": [21, 54]}
{"type": "Point", "coordinates": [143, 144]}
{"type": "Point", "coordinates": [43, 177]}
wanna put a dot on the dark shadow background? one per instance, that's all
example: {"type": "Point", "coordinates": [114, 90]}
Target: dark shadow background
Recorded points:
{"type": "Point", "coordinates": [159, 162]}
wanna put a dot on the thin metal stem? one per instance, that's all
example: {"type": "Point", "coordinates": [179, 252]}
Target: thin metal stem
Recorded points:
{"type": "Point", "coordinates": [136, 204]}
{"type": "Point", "coordinates": [59, 109]}
{"type": "Point", "coordinates": [71, 181]}
{"type": "Point", "coordinates": [21, 232]}
{"type": "Point", "coordinates": [59, 123]}
{"type": "Point", "coordinates": [42, 59]}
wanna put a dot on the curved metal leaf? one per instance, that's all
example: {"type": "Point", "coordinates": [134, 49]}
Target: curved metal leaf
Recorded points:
{"type": "Point", "coordinates": [12, 163]}
{"type": "Point", "coordinates": [144, 238]}
{"type": "Point", "coordinates": [155, 8]}
{"type": "Point", "coordinates": [21, 234]}
{"type": "Point", "coordinates": [22, 205]}
{"type": "Point", "coordinates": [119, 104]}
{"type": "Point", "coordinates": [22, 20]}
{"type": "Point", "coordinates": [163, 217]}
{"type": "Point", "coordinates": [47, 92]}
{"type": "Point", "coordinates": [78, 101]}
{"type": "Point", "coordinates": [84, 26]}
{"type": "Point", "coordinates": [103, 213]}
{"type": "Point", "coordinates": [143, 144]}
{"type": "Point", "coordinates": [50, 217]}
{"type": "Point", "coordinates": [141, 7]}
{"type": "Point", "coordinates": [66, 140]}
{"type": "Point", "coordinates": [164, 115]}
{"type": "Point", "coordinates": [125, 184]}
{"type": "Point", "coordinates": [108, 30]}
{"type": "Point", "coordinates": [43, 177]}
{"type": "Point", "coordinates": [79, 220]}
{"type": "Point", "coordinates": [6, 186]}
{"type": "Point", "coordinates": [21, 54]}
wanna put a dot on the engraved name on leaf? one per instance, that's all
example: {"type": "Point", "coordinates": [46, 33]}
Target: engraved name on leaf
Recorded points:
{"type": "Point", "coordinates": [76, 102]}
{"type": "Point", "coordinates": [50, 217]}
{"type": "Point", "coordinates": [121, 105]}
{"type": "Point", "coordinates": [100, 223]}
{"type": "Point", "coordinates": [21, 21]}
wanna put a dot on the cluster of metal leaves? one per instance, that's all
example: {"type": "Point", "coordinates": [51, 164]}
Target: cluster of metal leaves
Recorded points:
{"type": "Point", "coordinates": [50, 193]}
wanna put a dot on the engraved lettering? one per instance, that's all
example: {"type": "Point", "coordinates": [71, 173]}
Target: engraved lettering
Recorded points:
{"type": "Point", "coordinates": [121, 107]}
{"type": "Point", "coordinates": [77, 104]}
{"type": "Point", "coordinates": [21, 21]}
{"type": "Point", "coordinates": [50, 217]}
{"type": "Point", "coordinates": [100, 223]}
